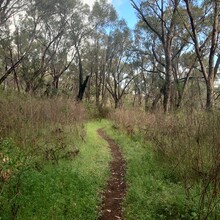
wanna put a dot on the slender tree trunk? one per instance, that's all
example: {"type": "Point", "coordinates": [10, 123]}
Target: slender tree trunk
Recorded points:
{"type": "Point", "coordinates": [97, 87]}
{"type": "Point", "coordinates": [156, 100]}
{"type": "Point", "coordinates": [210, 94]}
{"type": "Point", "coordinates": [103, 89]}
{"type": "Point", "coordinates": [167, 86]}
{"type": "Point", "coordinates": [146, 99]}
{"type": "Point", "coordinates": [55, 82]}
{"type": "Point", "coordinates": [97, 84]}
{"type": "Point", "coordinates": [16, 81]}
{"type": "Point", "coordinates": [179, 99]}
{"type": "Point", "coordinates": [209, 74]}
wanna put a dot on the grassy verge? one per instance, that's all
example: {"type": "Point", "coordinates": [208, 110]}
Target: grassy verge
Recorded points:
{"type": "Point", "coordinates": [68, 189]}
{"type": "Point", "coordinates": [151, 192]}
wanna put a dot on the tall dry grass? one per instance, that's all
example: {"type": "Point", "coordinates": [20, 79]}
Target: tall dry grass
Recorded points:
{"type": "Point", "coordinates": [37, 130]}
{"type": "Point", "coordinates": [187, 144]}
{"type": "Point", "coordinates": [132, 120]}
{"type": "Point", "coordinates": [35, 136]}
{"type": "Point", "coordinates": [25, 117]}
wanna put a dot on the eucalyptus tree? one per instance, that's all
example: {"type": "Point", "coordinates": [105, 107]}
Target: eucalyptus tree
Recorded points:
{"type": "Point", "coordinates": [65, 52]}
{"type": "Point", "coordinates": [120, 71]}
{"type": "Point", "coordinates": [27, 42]}
{"type": "Point", "coordinates": [204, 32]}
{"type": "Point", "coordinates": [60, 63]}
{"type": "Point", "coordinates": [50, 20]}
{"type": "Point", "coordinates": [162, 21]}
{"type": "Point", "coordinates": [79, 30]}
{"type": "Point", "coordinates": [150, 64]}
{"type": "Point", "coordinates": [47, 37]}
{"type": "Point", "coordinates": [8, 8]}
{"type": "Point", "coordinates": [160, 18]}
{"type": "Point", "coordinates": [104, 18]}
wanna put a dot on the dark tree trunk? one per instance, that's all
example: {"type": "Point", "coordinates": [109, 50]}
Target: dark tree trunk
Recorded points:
{"type": "Point", "coordinates": [157, 98]}
{"type": "Point", "coordinates": [82, 84]}
{"type": "Point", "coordinates": [116, 103]}
{"type": "Point", "coordinates": [82, 89]}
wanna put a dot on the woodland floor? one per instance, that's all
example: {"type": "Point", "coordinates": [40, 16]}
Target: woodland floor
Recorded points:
{"type": "Point", "coordinates": [115, 189]}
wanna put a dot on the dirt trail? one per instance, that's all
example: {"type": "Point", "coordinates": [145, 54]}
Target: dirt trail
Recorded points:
{"type": "Point", "coordinates": [115, 190]}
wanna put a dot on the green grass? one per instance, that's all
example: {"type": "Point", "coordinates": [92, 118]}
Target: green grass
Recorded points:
{"type": "Point", "coordinates": [71, 189]}
{"type": "Point", "coordinates": [151, 193]}
{"type": "Point", "coordinates": [67, 190]}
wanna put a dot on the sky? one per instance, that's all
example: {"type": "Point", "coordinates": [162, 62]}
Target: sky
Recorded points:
{"type": "Point", "coordinates": [124, 10]}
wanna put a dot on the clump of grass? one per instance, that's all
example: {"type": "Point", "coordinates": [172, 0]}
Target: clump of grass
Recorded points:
{"type": "Point", "coordinates": [132, 120]}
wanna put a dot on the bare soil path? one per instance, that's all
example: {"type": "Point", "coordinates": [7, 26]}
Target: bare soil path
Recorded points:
{"type": "Point", "coordinates": [115, 190]}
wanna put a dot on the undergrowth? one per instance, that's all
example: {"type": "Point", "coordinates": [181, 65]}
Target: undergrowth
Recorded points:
{"type": "Point", "coordinates": [52, 163]}
{"type": "Point", "coordinates": [68, 190]}
{"type": "Point", "coordinates": [186, 149]}
{"type": "Point", "coordinates": [150, 195]}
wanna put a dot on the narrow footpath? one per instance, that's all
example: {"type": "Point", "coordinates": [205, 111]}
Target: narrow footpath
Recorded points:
{"type": "Point", "coordinates": [115, 190]}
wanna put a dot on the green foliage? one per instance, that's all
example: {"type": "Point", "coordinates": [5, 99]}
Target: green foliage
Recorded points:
{"type": "Point", "coordinates": [103, 13]}
{"type": "Point", "coordinates": [95, 112]}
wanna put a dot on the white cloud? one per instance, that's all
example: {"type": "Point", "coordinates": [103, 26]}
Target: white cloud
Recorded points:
{"type": "Point", "coordinates": [118, 2]}
{"type": "Point", "coordinates": [91, 2]}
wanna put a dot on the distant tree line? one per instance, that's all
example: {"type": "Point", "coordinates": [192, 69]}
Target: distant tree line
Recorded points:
{"type": "Point", "coordinates": [58, 47]}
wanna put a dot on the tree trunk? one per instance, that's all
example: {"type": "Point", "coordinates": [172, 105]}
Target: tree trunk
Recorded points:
{"type": "Point", "coordinates": [179, 99]}
{"type": "Point", "coordinates": [16, 81]}
{"type": "Point", "coordinates": [146, 99]}
{"type": "Point", "coordinates": [210, 74]}
{"type": "Point", "coordinates": [55, 82]}
{"type": "Point", "coordinates": [156, 100]}
{"type": "Point", "coordinates": [210, 94]}
{"type": "Point", "coordinates": [116, 103]}
{"type": "Point", "coordinates": [55, 85]}
{"type": "Point", "coordinates": [167, 86]}
{"type": "Point", "coordinates": [82, 89]}
{"type": "Point", "coordinates": [97, 92]}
